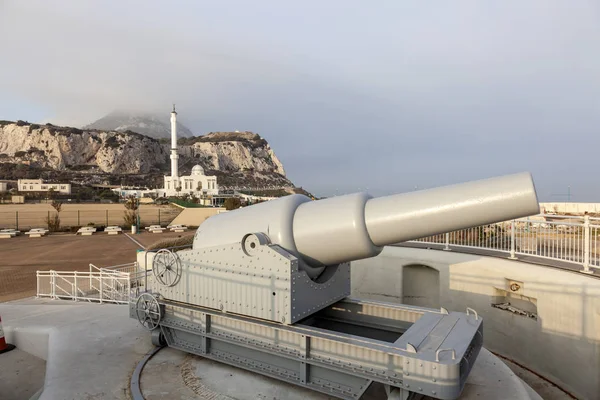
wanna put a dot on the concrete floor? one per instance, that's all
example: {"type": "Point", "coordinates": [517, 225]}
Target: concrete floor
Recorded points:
{"type": "Point", "coordinates": [545, 389]}
{"type": "Point", "coordinates": [173, 374]}
{"type": "Point", "coordinates": [91, 349]}
{"type": "Point", "coordinates": [21, 375]}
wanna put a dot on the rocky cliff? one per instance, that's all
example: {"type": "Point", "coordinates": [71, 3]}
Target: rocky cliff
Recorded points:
{"type": "Point", "coordinates": [237, 158]}
{"type": "Point", "coordinates": [60, 148]}
{"type": "Point", "coordinates": [232, 151]}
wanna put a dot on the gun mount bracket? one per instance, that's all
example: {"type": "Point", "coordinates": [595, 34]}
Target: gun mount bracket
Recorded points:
{"type": "Point", "coordinates": [252, 241]}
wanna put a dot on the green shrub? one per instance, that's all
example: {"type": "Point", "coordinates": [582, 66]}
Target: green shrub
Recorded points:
{"type": "Point", "coordinates": [112, 142]}
{"type": "Point", "coordinates": [232, 203]}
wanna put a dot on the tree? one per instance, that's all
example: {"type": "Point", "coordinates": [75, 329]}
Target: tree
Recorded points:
{"type": "Point", "coordinates": [130, 215]}
{"type": "Point", "coordinates": [86, 193]}
{"type": "Point", "coordinates": [232, 203]}
{"type": "Point", "coordinates": [53, 220]}
{"type": "Point", "coordinates": [108, 194]}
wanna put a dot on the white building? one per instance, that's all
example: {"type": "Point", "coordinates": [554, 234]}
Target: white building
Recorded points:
{"type": "Point", "coordinates": [3, 187]}
{"type": "Point", "coordinates": [38, 185]}
{"type": "Point", "coordinates": [197, 183]}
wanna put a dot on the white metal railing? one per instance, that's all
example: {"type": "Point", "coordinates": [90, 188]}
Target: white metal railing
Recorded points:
{"type": "Point", "coordinates": [115, 284]}
{"type": "Point", "coordinates": [564, 238]}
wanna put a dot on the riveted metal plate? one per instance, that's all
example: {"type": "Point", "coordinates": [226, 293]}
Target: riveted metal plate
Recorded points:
{"type": "Point", "coordinates": [339, 363]}
{"type": "Point", "coordinates": [264, 283]}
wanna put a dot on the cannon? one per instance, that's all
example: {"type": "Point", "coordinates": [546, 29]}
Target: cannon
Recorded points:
{"type": "Point", "coordinates": [267, 288]}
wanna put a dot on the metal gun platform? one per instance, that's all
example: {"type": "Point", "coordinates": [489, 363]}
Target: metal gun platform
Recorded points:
{"type": "Point", "coordinates": [339, 350]}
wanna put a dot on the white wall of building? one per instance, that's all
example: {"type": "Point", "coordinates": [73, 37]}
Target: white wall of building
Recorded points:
{"type": "Point", "coordinates": [196, 183]}
{"type": "Point", "coordinates": [3, 186]}
{"type": "Point", "coordinates": [38, 185]}
{"type": "Point", "coordinates": [562, 344]}
{"type": "Point", "coordinates": [570, 208]}
{"type": "Point", "coordinates": [138, 193]}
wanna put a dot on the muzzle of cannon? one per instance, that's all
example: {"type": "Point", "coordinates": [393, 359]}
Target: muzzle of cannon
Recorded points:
{"type": "Point", "coordinates": [346, 228]}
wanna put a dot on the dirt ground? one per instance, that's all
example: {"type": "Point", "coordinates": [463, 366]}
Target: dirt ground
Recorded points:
{"type": "Point", "coordinates": [21, 257]}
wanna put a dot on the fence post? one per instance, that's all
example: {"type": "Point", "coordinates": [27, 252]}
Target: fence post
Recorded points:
{"type": "Point", "coordinates": [53, 284]}
{"type": "Point", "coordinates": [586, 245]}
{"type": "Point", "coordinates": [75, 287]}
{"type": "Point", "coordinates": [48, 219]}
{"type": "Point", "coordinates": [106, 218]}
{"type": "Point", "coordinates": [447, 246]}
{"type": "Point", "coordinates": [512, 240]}
{"type": "Point", "coordinates": [101, 287]}
{"type": "Point", "coordinates": [17, 220]}
{"type": "Point", "coordinates": [159, 216]}
{"type": "Point", "coordinates": [78, 223]}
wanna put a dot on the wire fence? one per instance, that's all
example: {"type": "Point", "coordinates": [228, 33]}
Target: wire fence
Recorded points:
{"type": "Point", "coordinates": [21, 220]}
{"type": "Point", "coordinates": [569, 239]}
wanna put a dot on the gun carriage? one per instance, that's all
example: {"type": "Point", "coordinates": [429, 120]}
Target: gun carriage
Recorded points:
{"type": "Point", "coordinates": [267, 287]}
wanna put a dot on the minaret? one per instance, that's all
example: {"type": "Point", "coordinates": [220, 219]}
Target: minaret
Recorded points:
{"type": "Point", "coordinates": [174, 155]}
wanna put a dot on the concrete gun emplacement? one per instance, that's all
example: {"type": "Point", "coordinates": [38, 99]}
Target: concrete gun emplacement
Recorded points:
{"type": "Point", "coordinates": [277, 274]}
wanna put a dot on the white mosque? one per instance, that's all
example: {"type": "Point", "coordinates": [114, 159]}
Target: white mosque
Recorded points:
{"type": "Point", "coordinates": [197, 183]}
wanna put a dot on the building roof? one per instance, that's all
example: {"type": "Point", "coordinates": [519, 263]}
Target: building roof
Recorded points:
{"type": "Point", "coordinates": [197, 170]}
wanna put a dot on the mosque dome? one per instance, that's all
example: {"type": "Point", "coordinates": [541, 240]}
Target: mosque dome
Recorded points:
{"type": "Point", "coordinates": [197, 170]}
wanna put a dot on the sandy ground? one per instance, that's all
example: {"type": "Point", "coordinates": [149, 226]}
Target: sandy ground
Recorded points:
{"type": "Point", "coordinates": [26, 216]}
{"type": "Point", "coordinates": [21, 257]}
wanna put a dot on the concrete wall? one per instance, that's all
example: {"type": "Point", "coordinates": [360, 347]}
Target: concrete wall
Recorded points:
{"type": "Point", "coordinates": [196, 216]}
{"type": "Point", "coordinates": [570, 208]}
{"type": "Point", "coordinates": [554, 328]}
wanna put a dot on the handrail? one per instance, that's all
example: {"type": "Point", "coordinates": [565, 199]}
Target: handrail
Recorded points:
{"type": "Point", "coordinates": [572, 241]}
{"type": "Point", "coordinates": [101, 286]}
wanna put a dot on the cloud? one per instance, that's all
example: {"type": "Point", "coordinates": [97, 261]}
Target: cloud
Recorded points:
{"type": "Point", "coordinates": [387, 95]}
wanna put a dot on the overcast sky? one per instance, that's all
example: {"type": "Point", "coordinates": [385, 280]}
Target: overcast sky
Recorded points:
{"type": "Point", "coordinates": [385, 95]}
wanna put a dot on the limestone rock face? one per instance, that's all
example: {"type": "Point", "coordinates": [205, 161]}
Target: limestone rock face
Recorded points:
{"type": "Point", "coordinates": [66, 148]}
{"type": "Point", "coordinates": [234, 154]}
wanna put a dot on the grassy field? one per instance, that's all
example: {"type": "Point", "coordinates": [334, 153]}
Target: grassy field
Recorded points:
{"type": "Point", "coordinates": [26, 216]}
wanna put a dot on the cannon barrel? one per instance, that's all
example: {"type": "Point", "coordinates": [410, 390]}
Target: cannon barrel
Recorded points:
{"type": "Point", "coordinates": [356, 226]}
